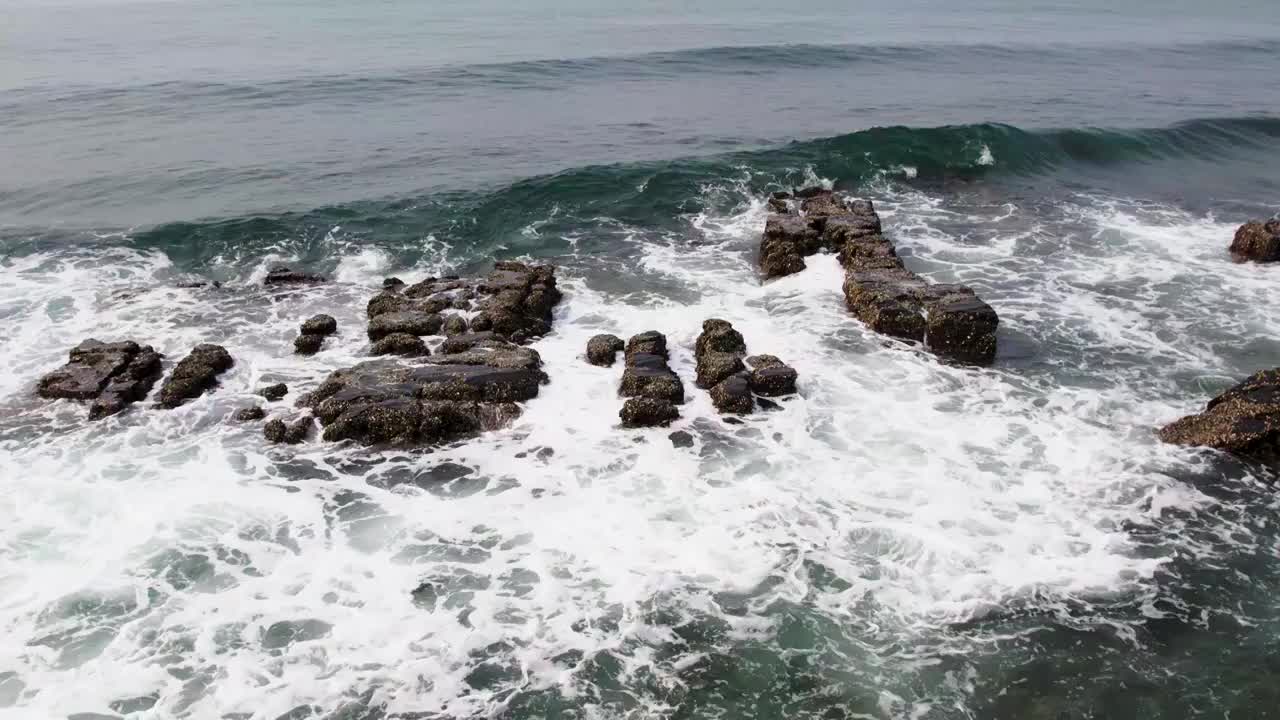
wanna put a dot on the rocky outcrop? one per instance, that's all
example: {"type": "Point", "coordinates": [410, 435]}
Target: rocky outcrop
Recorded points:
{"type": "Point", "coordinates": [195, 374]}
{"type": "Point", "coordinates": [281, 275]}
{"type": "Point", "coordinates": [950, 320]}
{"type": "Point", "coordinates": [719, 352]}
{"type": "Point", "coordinates": [602, 350]}
{"type": "Point", "coordinates": [111, 375]}
{"type": "Point", "coordinates": [312, 334]}
{"type": "Point", "coordinates": [1257, 241]}
{"type": "Point", "coordinates": [514, 302]}
{"type": "Point", "coordinates": [1244, 420]}
{"type": "Point", "coordinates": [441, 398]}
{"type": "Point", "coordinates": [653, 387]}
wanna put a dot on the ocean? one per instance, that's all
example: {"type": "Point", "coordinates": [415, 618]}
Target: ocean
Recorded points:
{"type": "Point", "coordinates": [906, 539]}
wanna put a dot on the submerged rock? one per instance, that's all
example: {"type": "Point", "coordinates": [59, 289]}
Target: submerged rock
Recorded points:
{"type": "Point", "coordinates": [274, 392]}
{"type": "Point", "coordinates": [1257, 241]}
{"type": "Point", "coordinates": [281, 275]}
{"type": "Point", "coordinates": [681, 439]}
{"type": "Point", "coordinates": [250, 414]}
{"type": "Point", "coordinates": [195, 374]}
{"type": "Point", "coordinates": [602, 350]}
{"type": "Point", "coordinates": [112, 375]}
{"type": "Point", "coordinates": [1244, 420]}
{"type": "Point", "coordinates": [641, 412]}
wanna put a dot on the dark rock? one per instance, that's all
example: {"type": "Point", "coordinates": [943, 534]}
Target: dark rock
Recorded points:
{"type": "Point", "coordinates": [90, 366]}
{"type": "Point", "coordinates": [960, 326]}
{"type": "Point", "coordinates": [454, 325]}
{"type": "Point", "coordinates": [787, 240]}
{"type": "Point", "coordinates": [392, 283]}
{"type": "Point", "coordinates": [387, 302]}
{"type": "Point", "coordinates": [468, 341]}
{"type": "Point", "coordinates": [274, 392]}
{"type": "Point", "coordinates": [650, 342]}
{"type": "Point", "coordinates": [719, 336]}
{"type": "Point", "coordinates": [320, 325]}
{"type": "Point", "coordinates": [197, 284]}
{"type": "Point", "coordinates": [812, 191]}
{"type": "Point", "coordinates": [779, 205]}
{"type": "Point", "coordinates": [886, 300]}
{"type": "Point", "coordinates": [250, 414]}
{"type": "Point", "coordinates": [733, 395]}
{"type": "Point", "coordinates": [402, 344]}
{"type": "Point", "coordinates": [447, 396]}
{"type": "Point", "coordinates": [602, 350]}
{"type": "Point", "coordinates": [770, 376]}
{"type": "Point", "coordinates": [713, 367]}
{"type": "Point", "coordinates": [411, 322]}
{"type": "Point", "coordinates": [112, 375]}
{"type": "Point", "coordinates": [1244, 420]}
{"type": "Point", "coordinates": [195, 374]}
{"type": "Point", "coordinates": [288, 433]}
{"type": "Point", "coordinates": [128, 386]}
{"type": "Point", "coordinates": [308, 344]}
{"type": "Point", "coordinates": [1257, 241]}
{"type": "Point", "coordinates": [681, 439]}
{"type": "Point", "coordinates": [640, 412]}
{"type": "Point", "coordinates": [281, 275]}
{"type": "Point", "coordinates": [650, 377]}
{"type": "Point", "coordinates": [819, 207]}
{"type": "Point", "coordinates": [767, 405]}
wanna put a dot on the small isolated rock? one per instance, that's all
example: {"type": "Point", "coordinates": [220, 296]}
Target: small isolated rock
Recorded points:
{"type": "Point", "coordinates": [647, 412]}
{"type": "Point", "coordinates": [733, 395]}
{"type": "Point", "coordinates": [288, 433]}
{"type": "Point", "coordinates": [308, 344]}
{"type": "Point", "coordinates": [322, 325]}
{"type": "Point", "coordinates": [1244, 420]}
{"type": "Point", "coordinates": [454, 325]}
{"type": "Point", "coordinates": [401, 344]}
{"type": "Point", "coordinates": [602, 350]}
{"type": "Point", "coordinates": [770, 376]}
{"type": "Point", "coordinates": [649, 376]}
{"type": "Point", "coordinates": [392, 283]}
{"type": "Point", "coordinates": [250, 414]}
{"type": "Point", "coordinates": [274, 392]}
{"type": "Point", "coordinates": [1257, 241]}
{"type": "Point", "coordinates": [281, 275]}
{"type": "Point", "coordinates": [681, 439]}
{"type": "Point", "coordinates": [113, 375]}
{"type": "Point", "coordinates": [195, 374]}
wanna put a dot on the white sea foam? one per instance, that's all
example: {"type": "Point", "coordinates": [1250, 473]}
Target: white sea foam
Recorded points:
{"type": "Point", "coordinates": [933, 494]}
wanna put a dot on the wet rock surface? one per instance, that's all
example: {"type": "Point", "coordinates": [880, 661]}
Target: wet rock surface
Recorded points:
{"type": "Point", "coordinates": [274, 392]}
{"type": "Point", "coordinates": [653, 387]}
{"type": "Point", "coordinates": [402, 344]}
{"type": "Point", "coordinates": [602, 350]}
{"type": "Point", "coordinates": [281, 275]}
{"type": "Point", "coordinates": [312, 334]}
{"type": "Point", "coordinates": [111, 375]}
{"type": "Point", "coordinates": [720, 351]}
{"type": "Point", "coordinates": [437, 399]}
{"type": "Point", "coordinates": [1257, 241]}
{"type": "Point", "coordinates": [250, 414]}
{"type": "Point", "coordinates": [1244, 420]}
{"type": "Point", "coordinates": [194, 375]}
{"type": "Point", "coordinates": [288, 432]}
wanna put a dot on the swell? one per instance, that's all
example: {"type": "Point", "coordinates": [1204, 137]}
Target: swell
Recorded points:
{"type": "Point", "coordinates": [533, 215]}
{"type": "Point", "coordinates": [546, 74]}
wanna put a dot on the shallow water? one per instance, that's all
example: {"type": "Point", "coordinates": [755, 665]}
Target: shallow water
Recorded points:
{"type": "Point", "coordinates": [903, 539]}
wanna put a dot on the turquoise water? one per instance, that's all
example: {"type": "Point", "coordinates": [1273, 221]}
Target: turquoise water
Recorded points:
{"type": "Point", "coordinates": [903, 540]}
